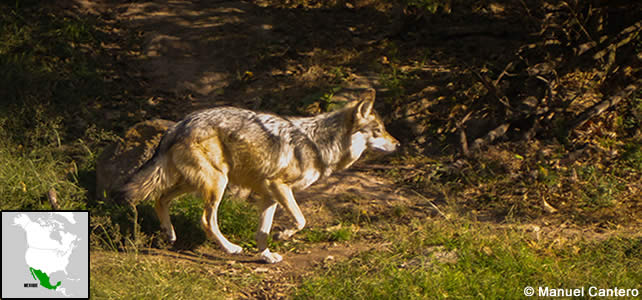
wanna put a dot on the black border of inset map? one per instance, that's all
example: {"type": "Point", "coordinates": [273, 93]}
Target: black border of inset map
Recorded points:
{"type": "Point", "coordinates": [88, 245]}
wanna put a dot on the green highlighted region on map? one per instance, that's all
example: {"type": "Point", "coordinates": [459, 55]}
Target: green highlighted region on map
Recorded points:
{"type": "Point", "coordinates": [43, 278]}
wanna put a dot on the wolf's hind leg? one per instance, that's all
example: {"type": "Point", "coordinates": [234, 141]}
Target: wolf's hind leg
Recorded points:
{"type": "Point", "coordinates": [267, 207]}
{"type": "Point", "coordinates": [162, 210]}
{"type": "Point", "coordinates": [212, 195]}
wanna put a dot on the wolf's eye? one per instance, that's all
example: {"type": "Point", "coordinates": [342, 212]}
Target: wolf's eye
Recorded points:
{"type": "Point", "coordinates": [377, 131]}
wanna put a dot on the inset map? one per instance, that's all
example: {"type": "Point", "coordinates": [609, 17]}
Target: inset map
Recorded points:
{"type": "Point", "coordinates": [45, 254]}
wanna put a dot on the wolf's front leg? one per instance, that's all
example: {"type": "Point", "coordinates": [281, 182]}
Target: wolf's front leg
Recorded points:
{"type": "Point", "coordinates": [284, 196]}
{"type": "Point", "coordinates": [267, 208]}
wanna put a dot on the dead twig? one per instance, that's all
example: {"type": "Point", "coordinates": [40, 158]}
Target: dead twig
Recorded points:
{"type": "Point", "coordinates": [579, 22]}
{"type": "Point", "coordinates": [462, 133]}
{"type": "Point", "coordinates": [431, 204]}
{"type": "Point", "coordinates": [51, 196]}
{"type": "Point", "coordinates": [493, 89]}
{"type": "Point", "coordinates": [549, 91]}
{"type": "Point", "coordinates": [383, 167]}
{"type": "Point", "coordinates": [504, 72]}
{"type": "Point", "coordinates": [463, 140]}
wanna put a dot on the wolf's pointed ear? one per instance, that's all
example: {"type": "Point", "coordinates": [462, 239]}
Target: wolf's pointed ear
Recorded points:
{"type": "Point", "coordinates": [364, 108]}
{"type": "Point", "coordinates": [370, 94]}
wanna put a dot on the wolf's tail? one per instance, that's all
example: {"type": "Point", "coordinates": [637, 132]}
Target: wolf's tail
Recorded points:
{"type": "Point", "coordinates": [150, 180]}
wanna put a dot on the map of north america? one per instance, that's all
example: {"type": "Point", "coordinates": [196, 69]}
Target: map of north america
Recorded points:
{"type": "Point", "coordinates": [51, 241]}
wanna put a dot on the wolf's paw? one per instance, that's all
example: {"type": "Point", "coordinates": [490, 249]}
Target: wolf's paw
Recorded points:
{"type": "Point", "coordinates": [171, 238]}
{"type": "Point", "coordinates": [233, 249]}
{"type": "Point", "coordinates": [270, 257]}
{"type": "Point", "coordinates": [285, 234]}
{"type": "Point", "coordinates": [169, 235]}
{"type": "Point", "coordinates": [168, 242]}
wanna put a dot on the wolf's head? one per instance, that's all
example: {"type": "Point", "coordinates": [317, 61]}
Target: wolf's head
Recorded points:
{"type": "Point", "coordinates": [369, 129]}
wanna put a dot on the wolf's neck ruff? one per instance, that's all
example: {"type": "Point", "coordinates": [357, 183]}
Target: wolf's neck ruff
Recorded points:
{"type": "Point", "coordinates": [332, 136]}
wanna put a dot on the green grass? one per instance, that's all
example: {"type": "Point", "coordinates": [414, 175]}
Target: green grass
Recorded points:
{"type": "Point", "coordinates": [134, 276]}
{"type": "Point", "coordinates": [632, 157]}
{"type": "Point", "coordinates": [49, 64]}
{"type": "Point", "coordinates": [334, 234]}
{"type": "Point", "coordinates": [27, 177]}
{"type": "Point", "coordinates": [238, 220]}
{"type": "Point", "coordinates": [489, 264]}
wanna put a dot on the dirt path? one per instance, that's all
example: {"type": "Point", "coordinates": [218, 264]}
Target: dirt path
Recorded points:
{"type": "Point", "coordinates": [197, 54]}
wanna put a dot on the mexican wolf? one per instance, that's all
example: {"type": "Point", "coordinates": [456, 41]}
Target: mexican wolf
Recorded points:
{"type": "Point", "coordinates": [269, 154]}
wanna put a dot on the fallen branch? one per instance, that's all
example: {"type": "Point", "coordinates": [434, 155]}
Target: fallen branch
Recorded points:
{"type": "Point", "coordinates": [597, 51]}
{"type": "Point", "coordinates": [491, 136]}
{"type": "Point", "coordinates": [624, 37]}
{"type": "Point", "coordinates": [604, 105]}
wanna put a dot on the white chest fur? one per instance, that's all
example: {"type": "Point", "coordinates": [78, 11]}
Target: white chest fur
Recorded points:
{"type": "Point", "coordinates": [357, 146]}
